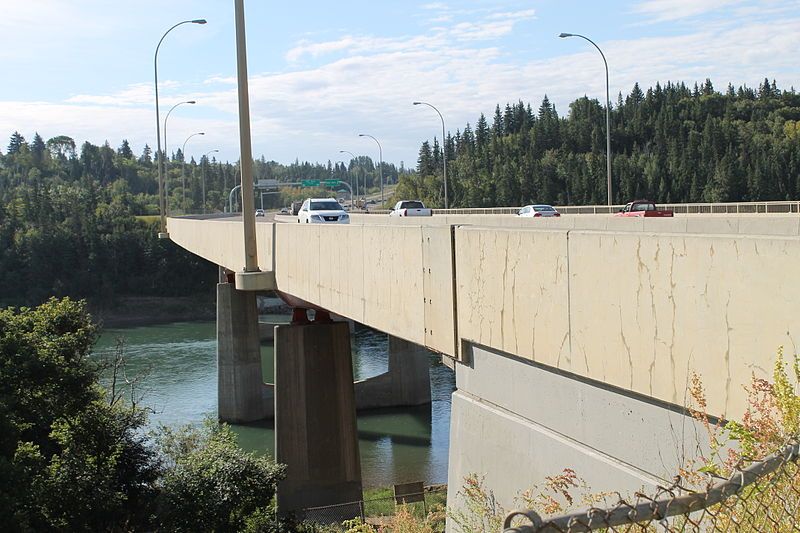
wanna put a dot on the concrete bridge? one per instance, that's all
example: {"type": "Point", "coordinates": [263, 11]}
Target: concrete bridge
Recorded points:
{"type": "Point", "coordinates": [573, 340]}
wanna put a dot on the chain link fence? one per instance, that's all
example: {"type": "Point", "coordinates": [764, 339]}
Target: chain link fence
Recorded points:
{"type": "Point", "coordinates": [762, 496]}
{"type": "Point", "coordinates": [377, 510]}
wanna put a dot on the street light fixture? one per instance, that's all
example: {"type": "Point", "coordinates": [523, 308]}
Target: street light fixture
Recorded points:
{"type": "Point", "coordinates": [380, 168]}
{"type": "Point", "coordinates": [204, 178]}
{"type": "Point", "coordinates": [161, 198]}
{"type": "Point", "coordinates": [183, 168]}
{"type": "Point", "coordinates": [608, 108]}
{"type": "Point", "coordinates": [444, 148]}
{"type": "Point", "coordinates": [166, 151]}
{"type": "Point", "coordinates": [354, 157]}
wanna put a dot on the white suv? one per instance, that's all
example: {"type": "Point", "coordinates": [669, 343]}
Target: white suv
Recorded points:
{"type": "Point", "coordinates": [322, 211]}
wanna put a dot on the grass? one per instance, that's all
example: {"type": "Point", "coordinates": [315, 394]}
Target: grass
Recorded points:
{"type": "Point", "coordinates": [380, 501]}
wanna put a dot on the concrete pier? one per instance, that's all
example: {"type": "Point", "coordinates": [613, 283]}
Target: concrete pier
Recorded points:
{"type": "Point", "coordinates": [406, 383]}
{"type": "Point", "coordinates": [240, 385]}
{"type": "Point", "coordinates": [315, 417]}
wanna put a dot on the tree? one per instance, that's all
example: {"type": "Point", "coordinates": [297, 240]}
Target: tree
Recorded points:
{"type": "Point", "coordinates": [16, 143]}
{"type": "Point", "coordinates": [79, 459]}
{"type": "Point", "coordinates": [125, 150]}
{"type": "Point", "coordinates": [38, 150]}
{"type": "Point", "coordinates": [147, 155]}
{"type": "Point", "coordinates": [214, 485]}
{"type": "Point", "coordinates": [61, 146]}
{"type": "Point", "coordinates": [425, 161]}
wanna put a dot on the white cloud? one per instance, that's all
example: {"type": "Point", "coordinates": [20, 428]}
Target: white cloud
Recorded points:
{"type": "Point", "coordinates": [224, 80]}
{"type": "Point", "coordinates": [493, 26]}
{"type": "Point", "coordinates": [668, 10]}
{"type": "Point", "coordinates": [139, 94]}
{"type": "Point", "coordinates": [313, 112]}
{"type": "Point", "coordinates": [434, 5]}
{"type": "Point", "coordinates": [316, 49]}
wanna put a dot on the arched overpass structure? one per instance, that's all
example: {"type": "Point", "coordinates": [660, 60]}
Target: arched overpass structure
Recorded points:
{"type": "Point", "coordinates": [573, 339]}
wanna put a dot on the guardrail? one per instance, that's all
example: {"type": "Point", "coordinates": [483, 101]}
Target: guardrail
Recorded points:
{"type": "Point", "coordinates": [772, 207]}
{"type": "Point", "coordinates": [787, 206]}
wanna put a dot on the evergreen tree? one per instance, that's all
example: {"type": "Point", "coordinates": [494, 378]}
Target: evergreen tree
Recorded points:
{"type": "Point", "coordinates": [16, 143]}
{"type": "Point", "coordinates": [125, 150]}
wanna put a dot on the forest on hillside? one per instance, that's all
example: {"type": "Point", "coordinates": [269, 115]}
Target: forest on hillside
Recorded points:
{"type": "Point", "coordinates": [80, 220]}
{"type": "Point", "coordinates": [670, 143]}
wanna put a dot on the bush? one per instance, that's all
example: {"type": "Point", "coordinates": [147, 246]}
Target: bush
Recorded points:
{"type": "Point", "coordinates": [214, 485]}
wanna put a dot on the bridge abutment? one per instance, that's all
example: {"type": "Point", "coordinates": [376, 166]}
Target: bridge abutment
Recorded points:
{"type": "Point", "coordinates": [315, 417]}
{"type": "Point", "coordinates": [515, 422]}
{"type": "Point", "coordinates": [240, 384]}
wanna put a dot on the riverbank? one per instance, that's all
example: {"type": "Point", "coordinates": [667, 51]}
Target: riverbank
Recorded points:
{"type": "Point", "coordinates": [134, 311]}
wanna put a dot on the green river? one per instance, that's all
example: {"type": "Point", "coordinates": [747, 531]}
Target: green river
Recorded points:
{"type": "Point", "coordinates": [180, 386]}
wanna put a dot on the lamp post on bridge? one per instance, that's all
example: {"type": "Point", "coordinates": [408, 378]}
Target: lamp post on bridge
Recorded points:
{"type": "Point", "coordinates": [166, 150]}
{"type": "Point", "coordinates": [444, 148]}
{"type": "Point", "coordinates": [356, 177]}
{"type": "Point", "coordinates": [162, 208]}
{"type": "Point", "coordinates": [380, 168]}
{"type": "Point", "coordinates": [204, 178]}
{"type": "Point", "coordinates": [608, 110]}
{"type": "Point", "coordinates": [183, 168]}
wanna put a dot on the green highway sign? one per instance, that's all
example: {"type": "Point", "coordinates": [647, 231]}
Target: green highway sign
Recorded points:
{"type": "Point", "coordinates": [331, 183]}
{"type": "Point", "coordinates": [310, 183]}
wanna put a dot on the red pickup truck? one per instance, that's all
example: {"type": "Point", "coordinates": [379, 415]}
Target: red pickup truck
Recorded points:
{"type": "Point", "coordinates": [642, 208]}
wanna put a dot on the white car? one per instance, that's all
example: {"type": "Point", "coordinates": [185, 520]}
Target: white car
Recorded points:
{"type": "Point", "coordinates": [322, 211]}
{"type": "Point", "coordinates": [538, 210]}
{"type": "Point", "coordinates": [410, 208]}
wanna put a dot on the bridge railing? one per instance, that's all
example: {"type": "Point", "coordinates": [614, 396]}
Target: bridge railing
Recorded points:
{"type": "Point", "coordinates": [792, 206]}
{"type": "Point", "coordinates": [764, 496]}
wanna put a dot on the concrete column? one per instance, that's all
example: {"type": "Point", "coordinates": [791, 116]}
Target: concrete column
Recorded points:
{"type": "Point", "coordinates": [239, 380]}
{"type": "Point", "coordinates": [315, 417]}
{"type": "Point", "coordinates": [407, 381]}
{"type": "Point", "coordinates": [409, 364]}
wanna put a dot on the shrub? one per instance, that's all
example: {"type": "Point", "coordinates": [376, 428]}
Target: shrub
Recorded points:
{"type": "Point", "coordinates": [214, 485]}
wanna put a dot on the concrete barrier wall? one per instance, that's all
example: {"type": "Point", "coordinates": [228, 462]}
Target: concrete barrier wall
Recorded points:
{"type": "Point", "coordinates": [512, 291]}
{"type": "Point", "coordinates": [649, 309]}
{"type": "Point", "coordinates": [222, 241]}
{"type": "Point", "coordinates": [741, 224]}
{"type": "Point", "coordinates": [637, 309]}
{"type": "Point", "coordinates": [405, 288]}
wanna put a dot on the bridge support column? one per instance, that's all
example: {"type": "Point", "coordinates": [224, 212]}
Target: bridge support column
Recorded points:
{"type": "Point", "coordinates": [406, 383]}
{"type": "Point", "coordinates": [315, 417]}
{"type": "Point", "coordinates": [240, 394]}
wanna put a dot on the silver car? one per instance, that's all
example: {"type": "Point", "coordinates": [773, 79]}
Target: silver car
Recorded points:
{"type": "Point", "coordinates": [538, 210]}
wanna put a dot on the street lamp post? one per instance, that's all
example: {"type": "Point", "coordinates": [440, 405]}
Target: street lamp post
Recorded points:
{"type": "Point", "coordinates": [356, 177]}
{"type": "Point", "coordinates": [166, 151]}
{"type": "Point", "coordinates": [163, 233]}
{"type": "Point", "coordinates": [608, 109]}
{"type": "Point", "coordinates": [183, 168]}
{"type": "Point", "coordinates": [380, 168]}
{"type": "Point", "coordinates": [444, 148]}
{"type": "Point", "coordinates": [204, 178]}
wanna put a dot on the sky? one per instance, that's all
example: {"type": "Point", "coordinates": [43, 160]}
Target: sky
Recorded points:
{"type": "Point", "coordinates": [322, 72]}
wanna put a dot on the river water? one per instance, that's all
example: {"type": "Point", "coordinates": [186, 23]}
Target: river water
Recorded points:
{"type": "Point", "coordinates": [180, 385]}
